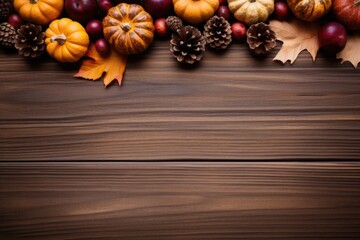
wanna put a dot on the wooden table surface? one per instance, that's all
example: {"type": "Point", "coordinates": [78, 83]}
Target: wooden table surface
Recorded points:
{"type": "Point", "coordinates": [194, 133]}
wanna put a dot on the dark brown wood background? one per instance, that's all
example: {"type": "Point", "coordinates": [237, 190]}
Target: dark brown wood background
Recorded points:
{"type": "Point", "coordinates": [232, 106]}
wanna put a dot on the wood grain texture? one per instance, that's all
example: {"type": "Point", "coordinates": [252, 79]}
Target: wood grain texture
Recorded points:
{"type": "Point", "coordinates": [231, 106]}
{"type": "Point", "coordinates": [73, 201]}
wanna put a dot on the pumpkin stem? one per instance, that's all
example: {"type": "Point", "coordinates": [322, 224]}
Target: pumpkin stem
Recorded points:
{"type": "Point", "coordinates": [357, 2]}
{"type": "Point", "coordinates": [61, 39]}
{"type": "Point", "coordinates": [252, 1]}
{"type": "Point", "coordinates": [33, 1]}
{"type": "Point", "coordinates": [125, 26]}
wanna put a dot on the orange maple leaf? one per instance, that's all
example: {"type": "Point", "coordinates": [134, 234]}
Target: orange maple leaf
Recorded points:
{"type": "Point", "coordinates": [351, 52]}
{"type": "Point", "coordinates": [296, 36]}
{"type": "Point", "coordinates": [114, 65]}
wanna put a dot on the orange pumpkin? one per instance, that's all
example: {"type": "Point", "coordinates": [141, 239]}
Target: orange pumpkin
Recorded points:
{"type": "Point", "coordinates": [195, 11]}
{"type": "Point", "coordinates": [41, 12]}
{"type": "Point", "coordinates": [66, 40]}
{"type": "Point", "coordinates": [310, 10]}
{"type": "Point", "coordinates": [128, 28]}
{"type": "Point", "coordinates": [251, 11]}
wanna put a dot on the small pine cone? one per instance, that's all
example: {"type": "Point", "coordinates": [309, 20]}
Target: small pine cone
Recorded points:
{"type": "Point", "coordinates": [7, 35]}
{"type": "Point", "coordinates": [218, 32]}
{"type": "Point", "coordinates": [5, 7]}
{"type": "Point", "coordinates": [173, 23]}
{"type": "Point", "coordinates": [261, 38]}
{"type": "Point", "coordinates": [187, 44]}
{"type": "Point", "coordinates": [30, 40]}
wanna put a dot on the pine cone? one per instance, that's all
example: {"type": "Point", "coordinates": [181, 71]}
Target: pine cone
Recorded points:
{"type": "Point", "coordinates": [30, 40]}
{"type": "Point", "coordinates": [261, 38]}
{"type": "Point", "coordinates": [187, 44]}
{"type": "Point", "coordinates": [7, 35]}
{"type": "Point", "coordinates": [218, 32]}
{"type": "Point", "coordinates": [5, 7]}
{"type": "Point", "coordinates": [173, 23]}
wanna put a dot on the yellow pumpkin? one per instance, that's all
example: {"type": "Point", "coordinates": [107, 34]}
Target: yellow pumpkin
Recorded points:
{"type": "Point", "coordinates": [41, 12]}
{"type": "Point", "coordinates": [128, 28]}
{"type": "Point", "coordinates": [251, 11]}
{"type": "Point", "coordinates": [66, 40]}
{"type": "Point", "coordinates": [310, 10]}
{"type": "Point", "coordinates": [195, 11]}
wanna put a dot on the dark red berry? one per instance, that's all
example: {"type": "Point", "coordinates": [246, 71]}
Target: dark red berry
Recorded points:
{"type": "Point", "coordinates": [102, 47]}
{"type": "Point", "coordinates": [332, 37]}
{"type": "Point", "coordinates": [223, 2]}
{"type": "Point", "coordinates": [161, 28]}
{"type": "Point", "coordinates": [223, 11]}
{"type": "Point", "coordinates": [94, 29]}
{"type": "Point", "coordinates": [281, 11]}
{"type": "Point", "coordinates": [238, 31]}
{"type": "Point", "coordinates": [15, 20]}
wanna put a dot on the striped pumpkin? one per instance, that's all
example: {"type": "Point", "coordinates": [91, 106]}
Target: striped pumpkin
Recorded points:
{"type": "Point", "coordinates": [310, 10]}
{"type": "Point", "coordinates": [128, 28]}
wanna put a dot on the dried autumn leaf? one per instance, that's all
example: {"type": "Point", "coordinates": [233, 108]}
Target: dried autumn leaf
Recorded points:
{"type": "Point", "coordinates": [351, 52]}
{"type": "Point", "coordinates": [296, 36]}
{"type": "Point", "coordinates": [114, 65]}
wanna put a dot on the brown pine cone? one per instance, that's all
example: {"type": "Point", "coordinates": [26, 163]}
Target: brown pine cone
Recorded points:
{"type": "Point", "coordinates": [173, 23]}
{"type": "Point", "coordinates": [261, 38]}
{"type": "Point", "coordinates": [7, 35]}
{"type": "Point", "coordinates": [218, 32]}
{"type": "Point", "coordinates": [187, 44]}
{"type": "Point", "coordinates": [30, 40]}
{"type": "Point", "coordinates": [5, 7]}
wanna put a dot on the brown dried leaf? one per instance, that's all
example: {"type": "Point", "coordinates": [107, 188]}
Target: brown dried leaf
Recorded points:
{"type": "Point", "coordinates": [296, 37]}
{"type": "Point", "coordinates": [114, 65]}
{"type": "Point", "coordinates": [351, 52]}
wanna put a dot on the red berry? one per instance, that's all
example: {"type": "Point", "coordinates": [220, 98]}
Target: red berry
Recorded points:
{"type": "Point", "coordinates": [105, 5]}
{"type": "Point", "coordinates": [238, 31]}
{"type": "Point", "coordinates": [102, 47]}
{"type": "Point", "coordinates": [281, 11]}
{"type": "Point", "coordinates": [223, 11]}
{"type": "Point", "coordinates": [15, 20]}
{"type": "Point", "coordinates": [81, 11]}
{"type": "Point", "coordinates": [94, 29]}
{"type": "Point", "coordinates": [332, 37]}
{"type": "Point", "coordinates": [161, 28]}
{"type": "Point", "coordinates": [158, 8]}
{"type": "Point", "coordinates": [223, 2]}
{"type": "Point", "coordinates": [129, 1]}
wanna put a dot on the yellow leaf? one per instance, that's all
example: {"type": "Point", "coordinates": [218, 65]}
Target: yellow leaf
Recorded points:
{"type": "Point", "coordinates": [296, 36]}
{"type": "Point", "coordinates": [114, 65]}
{"type": "Point", "coordinates": [351, 52]}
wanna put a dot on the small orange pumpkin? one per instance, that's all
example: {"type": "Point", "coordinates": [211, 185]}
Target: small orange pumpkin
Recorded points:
{"type": "Point", "coordinates": [66, 40]}
{"type": "Point", "coordinates": [195, 11]}
{"type": "Point", "coordinates": [310, 10]}
{"type": "Point", "coordinates": [128, 28]}
{"type": "Point", "coordinates": [41, 12]}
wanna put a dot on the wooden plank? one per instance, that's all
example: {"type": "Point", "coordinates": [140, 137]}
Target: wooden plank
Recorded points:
{"type": "Point", "coordinates": [231, 106]}
{"type": "Point", "coordinates": [73, 201]}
